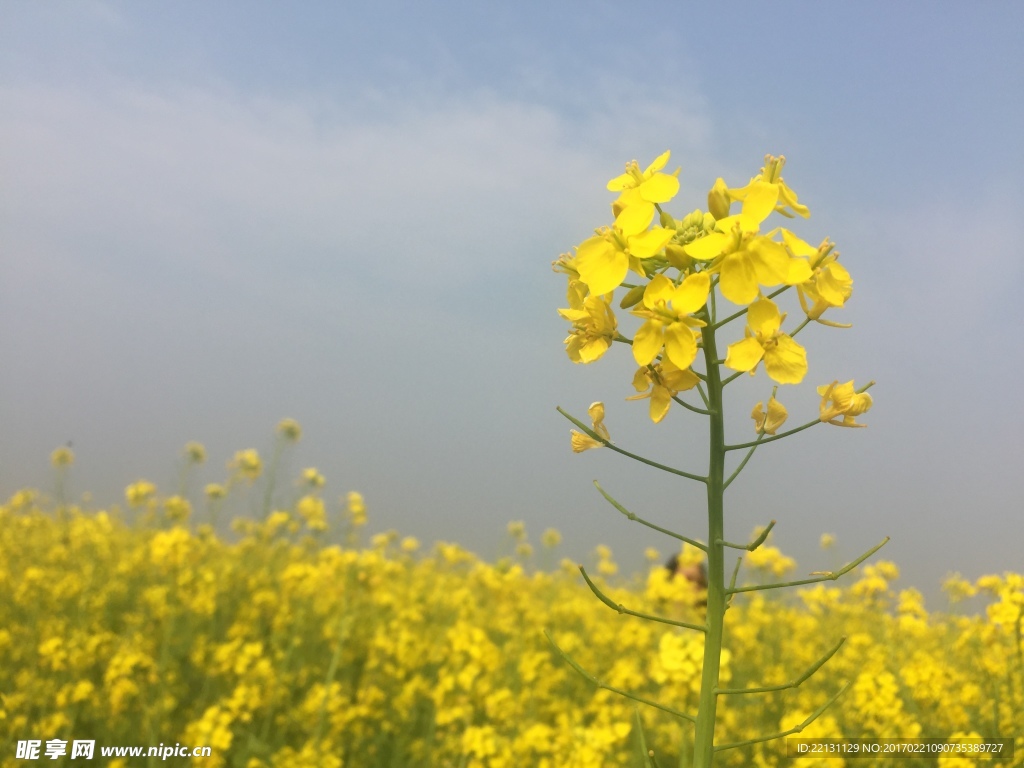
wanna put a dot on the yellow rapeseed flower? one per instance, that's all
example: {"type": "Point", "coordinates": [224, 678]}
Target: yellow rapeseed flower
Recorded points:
{"type": "Point", "coordinates": [62, 457]}
{"type": "Point", "coordinates": [139, 493]}
{"type": "Point", "coordinates": [289, 429]}
{"type": "Point", "coordinates": [195, 453]}
{"type": "Point", "coordinates": [843, 400]}
{"type": "Point", "coordinates": [551, 538]}
{"type": "Point", "coordinates": [594, 327]}
{"type": "Point", "coordinates": [409, 544]}
{"type": "Point", "coordinates": [743, 258]}
{"type": "Point", "coordinates": [668, 310]}
{"type": "Point", "coordinates": [661, 382]}
{"type": "Point", "coordinates": [784, 360]}
{"type": "Point", "coordinates": [247, 464]}
{"type": "Point", "coordinates": [581, 442]}
{"type": "Point", "coordinates": [829, 285]}
{"type": "Point", "coordinates": [356, 508]}
{"type": "Point", "coordinates": [769, 419]}
{"type": "Point", "coordinates": [312, 510]}
{"type": "Point", "coordinates": [312, 478]}
{"type": "Point", "coordinates": [771, 174]}
{"type": "Point", "coordinates": [604, 259]}
{"type": "Point", "coordinates": [651, 185]}
{"type": "Point", "coordinates": [177, 509]}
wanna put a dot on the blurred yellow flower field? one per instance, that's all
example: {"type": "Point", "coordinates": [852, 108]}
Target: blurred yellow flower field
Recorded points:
{"type": "Point", "coordinates": [276, 647]}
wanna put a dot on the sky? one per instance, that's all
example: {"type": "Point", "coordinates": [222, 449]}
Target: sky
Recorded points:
{"type": "Point", "coordinates": [215, 216]}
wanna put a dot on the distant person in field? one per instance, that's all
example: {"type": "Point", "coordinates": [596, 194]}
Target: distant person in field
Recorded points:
{"type": "Point", "coordinates": [695, 573]}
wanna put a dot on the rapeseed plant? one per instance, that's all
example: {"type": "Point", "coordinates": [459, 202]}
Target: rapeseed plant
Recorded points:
{"type": "Point", "coordinates": [678, 267]}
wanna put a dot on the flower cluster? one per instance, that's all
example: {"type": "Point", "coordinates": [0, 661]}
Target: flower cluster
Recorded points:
{"type": "Point", "coordinates": [671, 269]}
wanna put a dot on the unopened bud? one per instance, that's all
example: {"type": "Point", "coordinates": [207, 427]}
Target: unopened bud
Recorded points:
{"type": "Point", "coordinates": [677, 257]}
{"type": "Point", "coordinates": [633, 296]}
{"type": "Point", "coordinates": [718, 199]}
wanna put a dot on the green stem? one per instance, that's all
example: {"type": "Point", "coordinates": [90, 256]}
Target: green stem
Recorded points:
{"type": "Point", "coordinates": [689, 407]}
{"type": "Point", "coordinates": [745, 460]}
{"type": "Point", "coordinates": [608, 444]}
{"type": "Point", "coordinates": [732, 377]}
{"type": "Point", "coordinates": [830, 576]}
{"type": "Point", "coordinates": [637, 519]}
{"type": "Point", "coordinates": [754, 544]}
{"type": "Point", "coordinates": [795, 729]}
{"type": "Point", "coordinates": [620, 608]}
{"type": "Point", "coordinates": [704, 733]}
{"type": "Point", "coordinates": [272, 476]}
{"type": "Point", "coordinates": [762, 439]}
{"type": "Point", "coordinates": [703, 396]}
{"type": "Point", "coordinates": [800, 327]}
{"type": "Point", "coordinates": [792, 683]}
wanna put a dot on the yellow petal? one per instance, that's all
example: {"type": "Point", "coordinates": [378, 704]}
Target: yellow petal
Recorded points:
{"type": "Point", "coordinates": [646, 244]}
{"type": "Point", "coordinates": [661, 401]}
{"type": "Point", "coordinates": [678, 381]}
{"type": "Point", "coordinates": [647, 342]}
{"type": "Point", "coordinates": [592, 349]}
{"type": "Point", "coordinates": [834, 284]}
{"type": "Point", "coordinates": [601, 265]}
{"type": "Point", "coordinates": [770, 260]}
{"type": "Point", "coordinates": [574, 315]}
{"type": "Point", "coordinates": [708, 247]}
{"type": "Point", "coordinates": [763, 318]}
{"type": "Point", "coordinates": [635, 218]}
{"type": "Point", "coordinates": [659, 162]}
{"type": "Point", "coordinates": [619, 183]}
{"type": "Point", "coordinates": [680, 345]}
{"type": "Point", "coordinates": [660, 188]}
{"type": "Point", "coordinates": [744, 355]}
{"type": "Point", "coordinates": [760, 200]}
{"type": "Point", "coordinates": [629, 196]}
{"type": "Point", "coordinates": [758, 416]}
{"type": "Point", "coordinates": [789, 198]}
{"type": "Point", "coordinates": [797, 246]}
{"type": "Point", "coordinates": [581, 442]}
{"type": "Point", "coordinates": [596, 412]}
{"type": "Point", "coordinates": [641, 380]}
{"type": "Point", "coordinates": [692, 293]}
{"type": "Point", "coordinates": [799, 272]}
{"type": "Point", "coordinates": [786, 362]}
{"type": "Point", "coordinates": [660, 289]}
{"type": "Point", "coordinates": [861, 404]}
{"type": "Point", "coordinates": [738, 281]}
{"type": "Point", "coordinates": [776, 416]}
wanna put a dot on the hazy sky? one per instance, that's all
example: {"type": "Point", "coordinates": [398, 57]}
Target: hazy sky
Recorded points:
{"type": "Point", "coordinates": [214, 216]}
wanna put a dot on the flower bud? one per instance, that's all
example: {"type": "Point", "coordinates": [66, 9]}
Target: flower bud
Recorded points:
{"type": "Point", "coordinates": [718, 199]}
{"type": "Point", "coordinates": [677, 257]}
{"type": "Point", "coordinates": [632, 298]}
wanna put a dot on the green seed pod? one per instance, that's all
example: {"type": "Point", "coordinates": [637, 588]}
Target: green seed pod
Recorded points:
{"type": "Point", "coordinates": [632, 297]}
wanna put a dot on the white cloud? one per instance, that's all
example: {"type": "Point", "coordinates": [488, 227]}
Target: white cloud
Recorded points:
{"type": "Point", "coordinates": [234, 183]}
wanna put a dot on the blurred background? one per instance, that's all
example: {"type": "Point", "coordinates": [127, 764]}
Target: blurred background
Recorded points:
{"type": "Point", "coordinates": [216, 216]}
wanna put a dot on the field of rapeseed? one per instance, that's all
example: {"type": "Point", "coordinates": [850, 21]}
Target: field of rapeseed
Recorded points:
{"type": "Point", "coordinates": [276, 647]}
